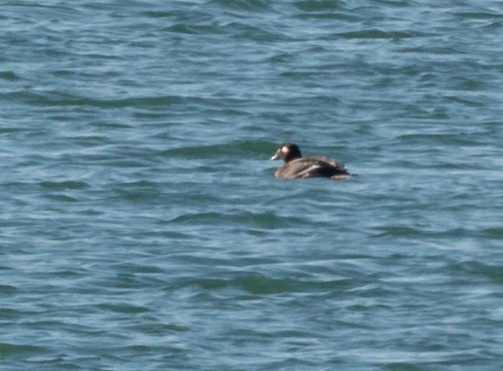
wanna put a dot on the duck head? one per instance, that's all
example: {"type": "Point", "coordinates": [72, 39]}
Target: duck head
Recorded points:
{"type": "Point", "coordinates": [287, 152]}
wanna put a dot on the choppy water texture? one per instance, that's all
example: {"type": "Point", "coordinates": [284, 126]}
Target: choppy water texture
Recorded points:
{"type": "Point", "coordinates": [141, 227]}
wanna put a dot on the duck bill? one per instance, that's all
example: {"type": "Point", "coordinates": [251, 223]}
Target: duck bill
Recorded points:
{"type": "Point", "coordinates": [275, 157]}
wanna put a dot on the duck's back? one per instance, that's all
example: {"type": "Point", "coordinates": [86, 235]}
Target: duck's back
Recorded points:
{"type": "Point", "coordinates": [310, 167]}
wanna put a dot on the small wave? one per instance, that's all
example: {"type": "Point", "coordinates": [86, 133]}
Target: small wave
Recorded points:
{"type": "Point", "coordinates": [69, 184]}
{"type": "Point", "coordinates": [244, 4]}
{"type": "Point", "coordinates": [399, 231]}
{"type": "Point", "coordinates": [123, 308]}
{"type": "Point", "coordinates": [7, 289]}
{"type": "Point", "coordinates": [239, 148]}
{"type": "Point", "coordinates": [340, 16]}
{"type": "Point", "coordinates": [492, 272]}
{"type": "Point", "coordinates": [480, 15]}
{"type": "Point", "coordinates": [7, 349]}
{"type": "Point", "coordinates": [62, 198]}
{"type": "Point", "coordinates": [159, 14]}
{"type": "Point", "coordinates": [262, 220]}
{"type": "Point", "coordinates": [9, 76]}
{"type": "Point", "coordinates": [377, 34]}
{"type": "Point", "coordinates": [191, 29]}
{"type": "Point", "coordinates": [496, 233]}
{"type": "Point", "coordinates": [65, 99]}
{"type": "Point", "coordinates": [317, 6]}
{"type": "Point", "coordinates": [437, 138]}
{"type": "Point", "coordinates": [258, 284]}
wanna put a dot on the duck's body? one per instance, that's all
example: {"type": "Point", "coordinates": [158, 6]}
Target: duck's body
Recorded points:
{"type": "Point", "coordinates": [297, 166]}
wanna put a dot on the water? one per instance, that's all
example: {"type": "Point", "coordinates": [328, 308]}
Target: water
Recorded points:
{"type": "Point", "coordinates": [141, 226]}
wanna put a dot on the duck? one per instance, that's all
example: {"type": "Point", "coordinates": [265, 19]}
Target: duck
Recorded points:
{"type": "Point", "coordinates": [296, 166]}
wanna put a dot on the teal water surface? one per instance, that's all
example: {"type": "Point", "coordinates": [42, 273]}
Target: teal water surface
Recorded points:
{"type": "Point", "coordinates": [142, 227]}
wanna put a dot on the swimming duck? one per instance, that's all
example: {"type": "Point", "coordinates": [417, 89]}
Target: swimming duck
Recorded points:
{"type": "Point", "coordinates": [297, 166]}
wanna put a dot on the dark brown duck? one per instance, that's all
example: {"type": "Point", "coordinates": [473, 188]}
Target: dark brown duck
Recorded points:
{"type": "Point", "coordinates": [296, 166]}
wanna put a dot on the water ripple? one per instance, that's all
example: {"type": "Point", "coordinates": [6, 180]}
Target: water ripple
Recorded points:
{"type": "Point", "coordinates": [142, 226]}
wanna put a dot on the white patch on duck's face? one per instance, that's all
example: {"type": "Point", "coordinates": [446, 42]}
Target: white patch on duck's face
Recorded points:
{"type": "Point", "coordinates": [285, 149]}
